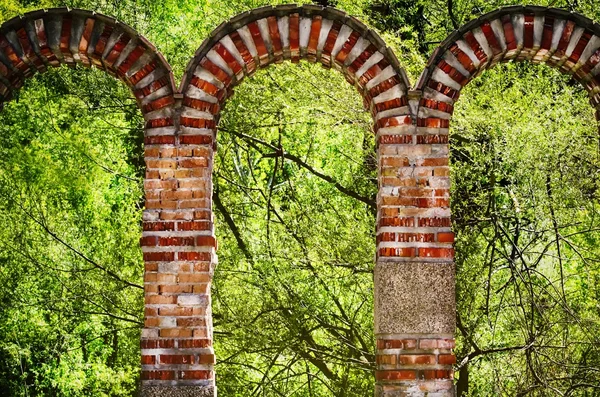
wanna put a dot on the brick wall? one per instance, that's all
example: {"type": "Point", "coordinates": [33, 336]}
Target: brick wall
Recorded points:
{"type": "Point", "coordinates": [414, 273]}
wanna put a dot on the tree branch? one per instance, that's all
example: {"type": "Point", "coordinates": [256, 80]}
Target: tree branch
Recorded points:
{"type": "Point", "coordinates": [282, 153]}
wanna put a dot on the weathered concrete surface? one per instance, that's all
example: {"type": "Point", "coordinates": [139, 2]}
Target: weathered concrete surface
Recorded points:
{"type": "Point", "coordinates": [443, 388]}
{"type": "Point", "coordinates": [178, 391]}
{"type": "Point", "coordinates": [414, 298]}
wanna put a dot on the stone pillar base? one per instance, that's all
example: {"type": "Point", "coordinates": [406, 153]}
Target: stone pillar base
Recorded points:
{"type": "Point", "coordinates": [178, 391]}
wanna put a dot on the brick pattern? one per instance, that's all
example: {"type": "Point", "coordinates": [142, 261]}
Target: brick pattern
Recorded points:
{"type": "Point", "coordinates": [50, 38]}
{"type": "Point", "coordinates": [564, 40]}
{"type": "Point", "coordinates": [422, 362]}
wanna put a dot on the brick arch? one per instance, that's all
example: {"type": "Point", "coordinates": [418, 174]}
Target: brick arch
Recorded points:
{"type": "Point", "coordinates": [270, 35]}
{"type": "Point", "coordinates": [564, 40]}
{"type": "Point", "coordinates": [414, 324]}
{"type": "Point", "coordinates": [61, 36]}
{"type": "Point", "coordinates": [567, 41]}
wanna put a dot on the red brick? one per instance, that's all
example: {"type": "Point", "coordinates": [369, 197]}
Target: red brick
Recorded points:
{"type": "Point", "coordinates": [395, 375]}
{"type": "Point", "coordinates": [191, 322]}
{"type": "Point", "coordinates": [174, 289]}
{"type": "Point", "coordinates": [228, 58]}
{"type": "Point", "coordinates": [428, 344]}
{"type": "Point", "coordinates": [436, 374]}
{"type": "Point", "coordinates": [149, 344]}
{"type": "Point", "coordinates": [175, 311]}
{"type": "Point", "coordinates": [176, 241]}
{"type": "Point", "coordinates": [486, 28]}
{"type": "Point", "coordinates": [395, 139]}
{"type": "Point", "coordinates": [193, 162]}
{"type": "Point", "coordinates": [176, 359]}
{"type": "Point", "coordinates": [244, 52]}
{"type": "Point", "coordinates": [206, 359]}
{"type": "Point", "coordinates": [148, 241]}
{"type": "Point", "coordinates": [148, 360]}
{"type": "Point", "coordinates": [436, 252]}
{"type": "Point", "coordinates": [445, 237]}
{"type": "Point", "coordinates": [198, 225]}
{"type": "Point", "coordinates": [166, 343]}
{"type": "Point", "coordinates": [160, 300]}
{"type": "Point", "coordinates": [159, 256]}
{"type": "Point", "coordinates": [206, 241]}
{"type": "Point", "coordinates": [313, 40]}
{"type": "Point", "coordinates": [447, 359]}
{"type": "Point", "coordinates": [528, 31]}
{"type": "Point", "coordinates": [195, 343]}
{"type": "Point", "coordinates": [294, 22]}
{"type": "Point", "coordinates": [261, 48]}
{"type": "Point", "coordinates": [175, 333]}
{"type": "Point", "coordinates": [195, 375]}
{"type": "Point", "coordinates": [216, 71]}
{"type": "Point", "coordinates": [509, 33]}
{"type": "Point", "coordinates": [193, 256]}
{"type": "Point", "coordinates": [196, 139]}
{"type": "Point", "coordinates": [474, 44]}
{"type": "Point", "coordinates": [347, 48]}
{"type": "Point", "coordinates": [194, 278]}
{"type": "Point", "coordinates": [397, 252]}
{"type": "Point", "coordinates": [160, 140]}
{"type": "Point", "coordinates": [275, 37]}
{"type": "Point", "coordinates": [158, 375]}
{"type": "Point", "coordinates": [386, 359]}
{"type": "Point", "coordinates": [417, 359]}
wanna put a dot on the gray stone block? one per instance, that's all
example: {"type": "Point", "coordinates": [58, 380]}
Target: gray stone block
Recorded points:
{"type": "Point", "coordinates": [178, 391]}
{"type": "Point", "coordinates": [414, 298]}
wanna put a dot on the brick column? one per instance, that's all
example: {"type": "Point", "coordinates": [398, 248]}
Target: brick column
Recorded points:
{"type": "Point", "coordinates": [414, 273]}
{"type": "Point", "coordinates": [179, 250]}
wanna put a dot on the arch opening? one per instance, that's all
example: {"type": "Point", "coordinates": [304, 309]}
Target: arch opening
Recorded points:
{"type": "Point", "coordinates": [318, 241]}
{"type": "Point", "coordinates": [562, 40]}
{"type": "Point", "coordinates": [71, 169]}
{"type": "Point", "coordinates": [60, 36]}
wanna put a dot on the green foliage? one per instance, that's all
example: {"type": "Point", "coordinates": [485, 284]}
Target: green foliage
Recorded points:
{"type": "Point", "coordinates": [293, 313]}
{"type": "Point", "coordinates": [70, 266]}
{"type": "Point", "coordinates": [525, 192]}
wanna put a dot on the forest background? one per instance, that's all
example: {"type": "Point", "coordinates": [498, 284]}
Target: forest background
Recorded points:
{"type": "Point", "coordinates": [293, 291]}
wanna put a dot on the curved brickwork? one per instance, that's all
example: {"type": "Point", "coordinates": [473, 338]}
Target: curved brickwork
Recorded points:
{"type": "Point", "coordinates": [50, 38]}
{"type": "Point", "coordinates": [273, 34]}
{"type": "Point", "coordinates": [567, 41]}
